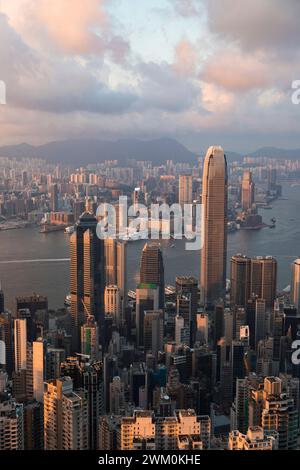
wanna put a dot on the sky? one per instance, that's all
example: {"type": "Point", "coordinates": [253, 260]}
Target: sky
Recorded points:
{"type": "Point", "coordinates": [205, 72]}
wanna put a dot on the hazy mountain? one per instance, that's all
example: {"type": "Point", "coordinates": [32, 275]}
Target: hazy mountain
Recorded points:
{"type": "Point", "coordinates": [82, 151]}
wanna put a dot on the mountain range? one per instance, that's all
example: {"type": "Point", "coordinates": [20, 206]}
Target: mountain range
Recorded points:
{"type": "Point", "coordinates": [82, 151]}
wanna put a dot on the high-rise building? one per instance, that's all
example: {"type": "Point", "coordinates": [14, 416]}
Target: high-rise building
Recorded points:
{"type": "Point", "coordinates": [6, 335]}
{"type": "Point", "coordinates": [113, 303]}
{"type": "Point", "coordinates": [38, 370]}
{"type": "Point", "coordinates": [187, 286]}
{"type": "Point", "coordinates": [185, 189]}
{"type": "Point", "coordinates": [90, 339]}
{"type": "Point", "coordinates": [11, 426]}
{"type": "Point", "coordinates": [147, 298]}
{"type": "Point", "coordinates": [248, 189]}
{"type": "Point", "coordinates": [152, 269]}
{"type": "Point", "coordinates": [214, 226]}
{"type": "Point", "coordinates": [260, 320]}
{"type": "Point", "coordinates": [20, 343]}
{"type": "Point", "coordinates": [54, 198]}
{"type": "Point", "coordinates": [264, 278]}
{"type": "Point", "coordinates": [240, 287]}
{"type": "Point", "coordinates": [89, 378]}
{"type": "Point", "coordinates": [279, 414]}
{"type": "Point", "coordinates": [87, 276]}
{"type": "Point", "coordinates": [115, 266]}
{"type": "Point", "coordinates": [65, 416]}
{"type": "Point", "coordinates": [116, 396]}
{"type": "Point", "coordinates": [153, 331]}
{"type": "Point", "coordinates": [33, 426]}
{"type": "Point", "coordinates": [295, 291]}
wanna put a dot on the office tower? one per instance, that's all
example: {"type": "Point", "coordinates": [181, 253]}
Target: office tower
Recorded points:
{"type": "Point", "coordinates": [6, 335]}
{"type": "Point", "coordinates": [152, 269]}
{"type": "Point", "coordinates": [218, 323]}
{"type": "Point", "coordinates": [260, 320]}
{"type": "Point", "coordinates": [214, 226]}
{"type": "Point", "coordinates": [65, 416]}
{"type": "Point", "coordinates": [54, 198]}
{"type": "Point", "coordinates": [112, 303]}
{"type": "Point", "coordinates": [147, 298]}
{"type": "Point", "coordinates": [295, 291]}
{"type": "Point", "coordinates": [228, 326]}
{"type": "Point", "coordinates": [185, 190]}
{"type": "Point", "coordinates": [240, 319]}
{"type": "Point", "coordinates": [202, 328]}
{"type": "Point", "coordinates": [237, 361]}
{"type": "Point", "coordinates": [182, 333]}
{"type": "Point", "coordinates": [248, 189]}
{"type": "Point", "coordinates": [264, 278]}
{"type": "Point", "coordinates": [90, 339]}
{"type": "Point", "coordinates": [1, 299]}
{"type": "Point", "coordinates": [239, 410]}
{"type": "Point", "coordinates": [279, 414]}
{"type": "Point", "coordinates": [115, 266]}
{"type": "Point", "coordinates": [116, 397]}
{"type": "Point", "coordinates": [87, 276]}
{"type": "Point", "coordinates": [188, 285]}
{"type": "Point", "coordinates": [38, 370]}
{"type": "Point", "coordinates": [29, 308]}
{"type": "Point", "coordinates": [240, 288]}
{"type": "Point", "coordinates": [153, 331]}
{"type": "Point", "coordinates": [20, 342]}
{"type": "Point", "coordinates": [11, 426]}
{"type": "Point", "coordinates": [33, 426]}
{"type": "Point", "coordinates": [253, 439]}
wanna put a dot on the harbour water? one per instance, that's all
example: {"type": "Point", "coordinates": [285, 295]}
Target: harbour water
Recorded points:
{"type": "Point", "coordinates": [34, 262]}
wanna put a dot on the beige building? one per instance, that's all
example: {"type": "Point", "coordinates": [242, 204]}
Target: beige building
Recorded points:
{"type": "Point", "coordinates": [214, 226]}
{"type": "Point", "coordinates": [65, 416]}
{"type": "Point", "coordinates": [185, 190]}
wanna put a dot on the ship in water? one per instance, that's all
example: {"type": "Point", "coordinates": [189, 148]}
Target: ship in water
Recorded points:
{"type": "Point", "coordinates": [70, 230]}
{"type": "Point", "coordinates": [68, 300]}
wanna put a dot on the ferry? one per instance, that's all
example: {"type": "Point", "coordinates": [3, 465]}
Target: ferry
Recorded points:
{"type": "Point", "coordinates": [70, 230]}
{"type": "Point", "coordinates": [68, 300]}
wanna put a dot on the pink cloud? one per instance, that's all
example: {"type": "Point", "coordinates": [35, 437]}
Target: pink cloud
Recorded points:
{"type": "Point", "coordinates": [185, 58]}
{"type": "Point", "coordinates": [236, 72]}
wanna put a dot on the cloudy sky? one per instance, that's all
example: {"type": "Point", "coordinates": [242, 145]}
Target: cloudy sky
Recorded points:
{"type": "Point", "coordinates": [201, 71]}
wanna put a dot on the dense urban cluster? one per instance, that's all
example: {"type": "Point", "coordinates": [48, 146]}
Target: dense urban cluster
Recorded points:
{"type": "Point", "coordinates": [202, 364]}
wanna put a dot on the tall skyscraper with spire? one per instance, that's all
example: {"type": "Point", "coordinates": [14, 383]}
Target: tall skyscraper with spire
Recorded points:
{"type": "Point", "coordinates": [214, 226]}
{"type": "Point", "coordinates": [87, 276]}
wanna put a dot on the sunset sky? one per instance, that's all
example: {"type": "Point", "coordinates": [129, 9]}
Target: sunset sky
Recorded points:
{"type": "Point", "coordinates": [201, 71]}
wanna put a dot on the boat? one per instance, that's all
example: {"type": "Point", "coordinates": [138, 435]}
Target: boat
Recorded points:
{"type": "Point", "coordinates": [68, 300]}
{"type": "Point", "coordinates": [70, 229]}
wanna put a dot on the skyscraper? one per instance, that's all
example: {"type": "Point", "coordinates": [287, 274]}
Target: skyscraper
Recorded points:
{"type": "Point", "coordinates": [264, 278]}
{"type": "Point", "coordinates": [295, 291]}
{"type": "Point", "coordinates": [87, 276]}
{"type": "Point", "coordinates": [185, 189]}
{"type": "Point", "coordinates": [214, 226]}
{"type": "Point", "coordinates": [152, 269]}
{"type": "Point", "coordinates": [248, 188]}
{"type": "Point", "coordinates": [240, 288]}
{"type": "Point", "coordinates": [38, 370]}
{"type": "Point", "coordinates": [20, 342]}
{"type": "Point", "coordinates": [147, 298]}
{"type": "Point", "coordinates": [90, 339]}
